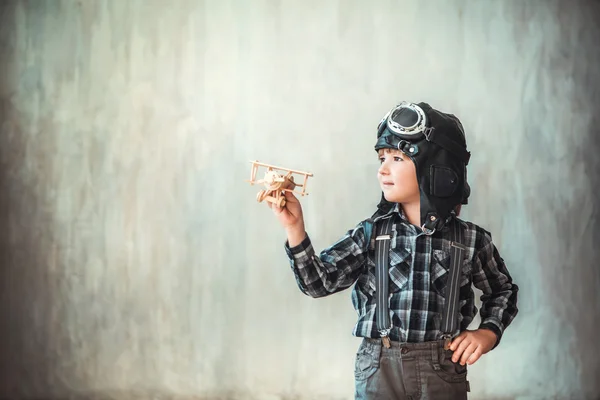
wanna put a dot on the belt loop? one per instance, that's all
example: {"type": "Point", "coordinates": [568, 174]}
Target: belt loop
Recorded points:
{"type": "Point", "coordinates": [435, 355]}
{"type": "Point", "coordinates": [442, 351]}
{"type": "Point", "coordinates": [377, 350]}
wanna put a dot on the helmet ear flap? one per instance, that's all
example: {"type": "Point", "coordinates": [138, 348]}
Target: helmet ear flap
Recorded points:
{"type": "Point", "coordinates": [466, 193]}
{"type": "Point", "coordinates": [443, 181]}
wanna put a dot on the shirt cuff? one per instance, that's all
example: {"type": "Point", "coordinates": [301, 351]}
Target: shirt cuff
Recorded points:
{"type": "Point", "coordinates": [298, 251]}
{"type": "Point", "coordinates": [494, 326]}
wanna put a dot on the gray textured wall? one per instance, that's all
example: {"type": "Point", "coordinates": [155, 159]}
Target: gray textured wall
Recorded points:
{"type": "Point", "coordinates": [135, 259]}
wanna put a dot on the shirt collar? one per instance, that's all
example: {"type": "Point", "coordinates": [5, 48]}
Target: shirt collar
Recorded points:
{"type": "Point", "coordinates": [399, 211]}
{"type": "Point", "coordinates": [396, 209]}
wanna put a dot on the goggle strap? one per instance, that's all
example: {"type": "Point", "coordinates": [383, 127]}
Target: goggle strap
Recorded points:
{"type": "Point", "coordinates": [448, 144]}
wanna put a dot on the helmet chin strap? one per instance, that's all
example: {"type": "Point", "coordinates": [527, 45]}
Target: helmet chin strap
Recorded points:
{"type": "Point", "coordinates": [431, 225]}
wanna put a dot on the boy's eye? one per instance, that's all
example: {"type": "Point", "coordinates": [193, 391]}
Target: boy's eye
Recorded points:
{"type": "Point", "coordinates": [396, 158]}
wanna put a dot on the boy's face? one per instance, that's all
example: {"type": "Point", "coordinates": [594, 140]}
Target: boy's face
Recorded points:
{"type": "Point", "coordinates": [397, 177]}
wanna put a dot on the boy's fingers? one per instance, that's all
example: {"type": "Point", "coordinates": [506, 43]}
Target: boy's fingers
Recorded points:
{"type": "Point", "coordinates": [456, 341]}
{"type": "Point", "coordinates": [467, 353]}
{"type": "Point", "coordinates": [475, 356]}
{"type": "Point", "coordinates": [276, 210]}
{"type": "Point", "coordinates": [460, 350]}
{"type": "Point", "coordinates": [289, 196]}
{"type": "Point", "coordinates": [457, 353]}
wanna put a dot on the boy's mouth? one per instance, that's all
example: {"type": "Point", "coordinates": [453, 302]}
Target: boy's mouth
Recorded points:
{"type": "Point", "coordinates": [388, 184]}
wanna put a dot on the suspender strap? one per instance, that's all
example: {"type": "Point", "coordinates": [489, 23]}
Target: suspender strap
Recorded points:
{"type": "Point", "coordinates": [382, 251]}
{"type": "Point", "coordinates": [450, 316]}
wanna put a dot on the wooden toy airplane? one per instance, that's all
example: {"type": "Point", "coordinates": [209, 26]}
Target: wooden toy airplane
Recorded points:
{"type": "Point", "coordinates": [276, 183]}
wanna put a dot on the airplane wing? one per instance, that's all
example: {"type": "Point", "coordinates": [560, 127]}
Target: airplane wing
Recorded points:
{"type": "Point", "coordinates": [281, 168]}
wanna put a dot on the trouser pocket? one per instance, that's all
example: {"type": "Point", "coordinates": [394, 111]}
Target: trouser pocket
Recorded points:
{"type": "Point", "coordinates": [448, 370]}
{"type": "Point", "coordinates": [367, 361]}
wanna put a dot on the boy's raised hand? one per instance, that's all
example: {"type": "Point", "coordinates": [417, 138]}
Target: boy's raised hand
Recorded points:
{"type": "Point", "coordinates": [470, 345]}
{"type": "Point", "coordinates": [291, 218]}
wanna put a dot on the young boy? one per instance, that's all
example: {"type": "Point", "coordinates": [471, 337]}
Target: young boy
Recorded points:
{"type": "Point", "coordinates": [414, 262]}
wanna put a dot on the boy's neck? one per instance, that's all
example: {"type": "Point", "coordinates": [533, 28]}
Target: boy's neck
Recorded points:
{"type": "Point", "coordinates": [412, 212]}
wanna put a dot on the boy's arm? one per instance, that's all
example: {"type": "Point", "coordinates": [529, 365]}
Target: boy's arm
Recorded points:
{"type": "Point", "coordinates": [499, 299]}
{"type": "Point", "coordinates": [335, 269]}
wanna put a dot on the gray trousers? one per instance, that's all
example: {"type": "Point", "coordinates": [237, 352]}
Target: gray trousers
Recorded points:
{"type": "Point", "coordinates": [408, 371]}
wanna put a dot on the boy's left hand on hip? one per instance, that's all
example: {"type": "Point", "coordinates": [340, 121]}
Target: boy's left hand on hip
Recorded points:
{"type": "Point", "coordinates": [470, 345]}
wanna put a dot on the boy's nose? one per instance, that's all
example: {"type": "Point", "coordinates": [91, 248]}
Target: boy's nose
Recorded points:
{"type": "Point", "coordinates": [383, 169]}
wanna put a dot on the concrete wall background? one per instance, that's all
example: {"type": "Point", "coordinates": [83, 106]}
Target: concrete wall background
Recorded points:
{"type": "Point", "coordinates": [135, 260]}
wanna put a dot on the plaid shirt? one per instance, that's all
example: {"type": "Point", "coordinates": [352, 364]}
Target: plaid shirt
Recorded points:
{"type": "Point", "coordinates": [418, 272]}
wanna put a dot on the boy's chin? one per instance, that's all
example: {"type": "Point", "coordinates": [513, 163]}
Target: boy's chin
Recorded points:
{"type": "Point", "coordinates": [399, 199]}
{"type": "Point", "coordinates": [392, 199]}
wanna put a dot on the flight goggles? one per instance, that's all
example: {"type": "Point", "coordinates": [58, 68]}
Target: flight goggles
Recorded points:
{"type": "Point", "coordinates": [408, 122]}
